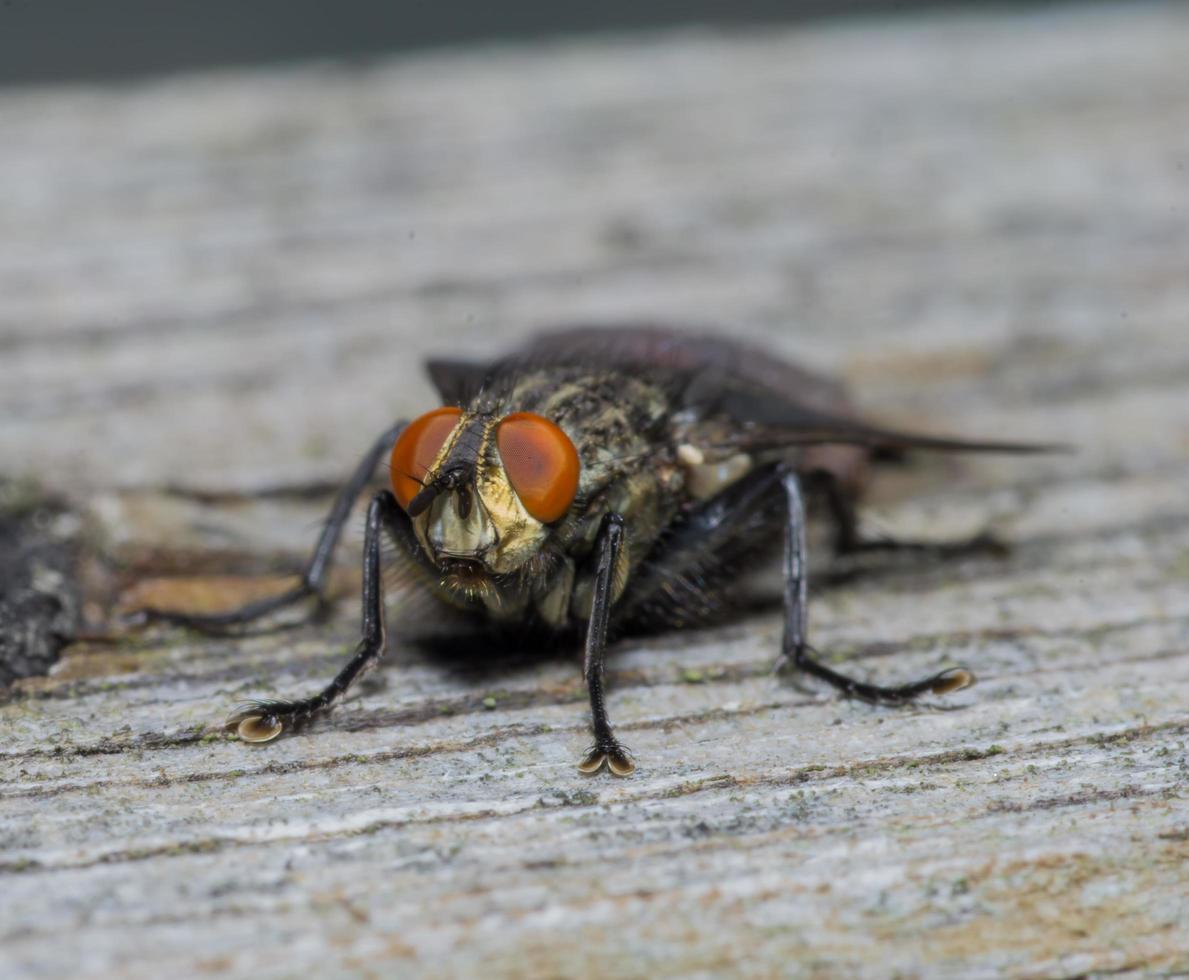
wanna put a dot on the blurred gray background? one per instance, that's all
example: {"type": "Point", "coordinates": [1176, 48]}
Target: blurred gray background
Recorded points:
{"type": "Point", "coordinates": [69, 40]}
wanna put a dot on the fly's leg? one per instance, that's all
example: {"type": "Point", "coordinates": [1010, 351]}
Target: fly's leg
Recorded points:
{"type": "Point", "coordinates": [682, 582]}
{"type": "Point", "coordinates": [606, 749]}
{"type": "Point", "coordinates": [313, 578]}
{"type": "Point", "coordinates": [796, 649]}
{"type": "Point", "coordinates": [261, 721]}
{"type": "Point", "coordinates": [848, 540]}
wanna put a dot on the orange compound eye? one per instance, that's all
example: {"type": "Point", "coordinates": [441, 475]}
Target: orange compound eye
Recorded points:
{"type": "Point", "coordinates": [417, 448]}
{"type": "Point", "coordinates": [541, 463]}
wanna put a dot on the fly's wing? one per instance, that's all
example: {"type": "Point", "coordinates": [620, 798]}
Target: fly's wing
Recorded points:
{"type": "Point", "coordinates": [697, 367]}
{"type": "Point", "coordinates": [775, 429]}
{"type": "Point", "coordinates": [457, 381]}
{"type": "Point", "coordinates": [701, 368]}
{"type": "Point", "coordinates": [772, 403]}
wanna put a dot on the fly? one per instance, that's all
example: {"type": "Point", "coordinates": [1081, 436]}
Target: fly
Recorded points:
{"type": "Point", "coordinates": [596, 481]}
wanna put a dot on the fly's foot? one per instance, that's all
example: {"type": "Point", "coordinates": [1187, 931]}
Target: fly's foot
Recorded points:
{"type": "Point", "coordinates": [984, 544]}
{"type": "Point", "coordinates": [211, 624]}
{"type": "Point", "coordinates": [949, 681]}
{"type": "Point", "coordinates": [229, 622]}
{"type": "Point", "coordinates": [608, 752]}
{"type": "Point", "coordinates": [151, 615]}
{"type": "Point", "coordinates": [259, 728]}
{"type": "Point", "coordinates": [946, 682]}
{"type": "Point", "coordinates": [262, 721]}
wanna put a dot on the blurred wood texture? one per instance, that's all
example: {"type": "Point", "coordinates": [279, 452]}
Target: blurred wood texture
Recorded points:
{"type": "Point", "coordinates": [215, 289]}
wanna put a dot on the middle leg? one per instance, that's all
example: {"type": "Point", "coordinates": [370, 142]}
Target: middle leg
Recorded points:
{"type": "Point", "coordinates": [796, 649]}
{"type": "Point", "coordinates": [683, 582]}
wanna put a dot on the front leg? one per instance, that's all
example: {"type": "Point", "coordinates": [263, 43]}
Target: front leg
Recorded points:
{"type": "Point", "coordinates": [262, 721]}
{"type": "Point", "coordinates": [796, 648]}
{"type": "Point", "coordinates": [606, 749]}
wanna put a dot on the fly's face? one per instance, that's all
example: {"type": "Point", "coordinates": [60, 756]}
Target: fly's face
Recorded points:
{"type": "Point", "coordinates": [482, 490]}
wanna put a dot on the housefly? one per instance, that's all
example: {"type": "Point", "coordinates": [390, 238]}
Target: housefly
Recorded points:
{"type": "Point", "coordinates": [600, 480]}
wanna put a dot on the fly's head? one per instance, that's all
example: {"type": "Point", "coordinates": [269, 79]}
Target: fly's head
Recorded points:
{"type": "Point", "coordinates": [482, 490]}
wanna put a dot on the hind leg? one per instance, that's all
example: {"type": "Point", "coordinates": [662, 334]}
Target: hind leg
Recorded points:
{"type": "Point", "coordinates": [313, 578]}
{"type": "Point", "coordinates": [796, 649]}
{"type": "Point", "coordinates": [849, 540]}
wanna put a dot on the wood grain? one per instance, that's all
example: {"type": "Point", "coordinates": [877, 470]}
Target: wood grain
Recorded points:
{"type": "Point", "coordinates": [215, 289]}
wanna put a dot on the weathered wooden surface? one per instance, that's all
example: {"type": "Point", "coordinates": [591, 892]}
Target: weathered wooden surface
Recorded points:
{"type": "Point", "coordinates": [217, 286]}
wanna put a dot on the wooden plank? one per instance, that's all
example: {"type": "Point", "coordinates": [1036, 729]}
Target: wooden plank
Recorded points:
{"type": "Point", "coordinates": [214, 289]}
